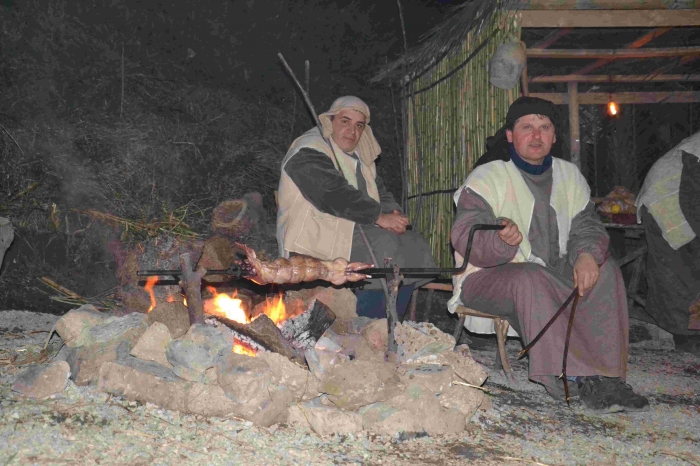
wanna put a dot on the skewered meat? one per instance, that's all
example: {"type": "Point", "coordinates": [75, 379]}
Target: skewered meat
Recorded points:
{"type": "Point", "coordinates": [298, 269]}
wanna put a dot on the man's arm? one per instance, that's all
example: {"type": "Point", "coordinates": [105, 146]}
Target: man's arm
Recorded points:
{"type": "Point", "coordinates": [488, 249]}
{"type": "Point", "coordinates": [327, 189]}
{"type": "Point", "coordinates": [386, 199]}
{"type": "Point", "coordinates": [588, 235]}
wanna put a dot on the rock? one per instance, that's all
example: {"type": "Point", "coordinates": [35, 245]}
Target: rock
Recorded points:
{"type": "Point", "coordinates": [146, 382]}
{"type": "Point", "coordinates": [461, 362]}
{"type": "Point", "coordinates": [105, 342]}
{"type": "Point", "coordinates": [382, 418]}
{"type": "Point", "coordinates": [416, 340]}
{"type": "Point", "coordinates": [127, 328]}
{"type": "Point", "coordinates": [353, 384]}
{"type": "Point", "coordinates": [466, 400]}
{"type": "Point", "coordinates": [285, 373]}
{"type": "Point", "coordinates": [152, 344]}
{"type": "Point", "coordinates": [341, 301]}
{"type": "Point", "coordinates": [173, 315]}
{"type": "Point", "coordinates": [242, 377]}
{"type": "Point", "coordinates": [320, 361]}
{"type": "Point", "coordinates": [149, 382]}
{"type": "Point", "coordinates": [423, 404]}
{"type": "Point", "coordinates": [197, 350]}
{"type": "Point", "coordinates": [325, 420]}
{"type": "Point", "coordinates": [328, 342]}
{"type": "Point", "coordinates": [377, 334]}
{"type": "Point", "coordinates": [218, 254]}
{"type": "Point", "coordinates": [356, 347]}
{"type": "Point", "coordinates": [432, 377]}
{"type": "Point", "coordinates": [43, 380]}
{"type": "Point", "coordinates": [71, 324]}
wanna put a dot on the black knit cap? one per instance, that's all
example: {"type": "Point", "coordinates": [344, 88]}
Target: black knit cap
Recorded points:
{"type": "Point", "coordinates": [529, 106]}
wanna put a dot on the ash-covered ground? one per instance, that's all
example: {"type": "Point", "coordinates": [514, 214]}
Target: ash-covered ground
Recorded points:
{"type": "Point", "coordinates": [525, 426]}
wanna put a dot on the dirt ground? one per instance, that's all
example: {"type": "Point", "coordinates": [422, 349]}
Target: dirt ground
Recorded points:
{"type": "Point", "coordinates": [525, 425]}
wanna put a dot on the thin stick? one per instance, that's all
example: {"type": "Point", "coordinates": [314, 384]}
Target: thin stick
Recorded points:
{"type": "Point", "coordinates": [566, 349]}
{"type": "Point", "coordinates": [13, 140]}
{"type": "Point", "coordinates": [60, 289]}
{"type": "Point", "coordinates": [335, 160]}
{"type": "Point", "coordinates": [549, 324]}
{"type": "Point", "coordinates": [307, 74]}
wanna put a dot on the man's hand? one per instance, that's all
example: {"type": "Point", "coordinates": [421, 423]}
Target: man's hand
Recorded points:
{"type": "Point", "coordinates": [586, 273]}
{"type": "Point", "coordinates": [510, 234]}
{"type": "Point", "coordinates": [394, 221]}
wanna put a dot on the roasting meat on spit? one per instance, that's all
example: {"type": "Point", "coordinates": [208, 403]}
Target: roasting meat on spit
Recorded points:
{"type": "Point", "coordinates": [299, 269]}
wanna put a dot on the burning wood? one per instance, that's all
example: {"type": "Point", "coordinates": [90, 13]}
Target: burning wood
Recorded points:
{"type": "Point", "coordinates": [263, 331]}
{"type": "Point", "coordinates": [299, 269]}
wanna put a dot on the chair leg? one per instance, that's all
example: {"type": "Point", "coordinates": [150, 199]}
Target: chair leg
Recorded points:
{"type": "Point", "coordinates": [414, 303]}
{"type": "Point", "coordinates": [501, 335]}
{"type": "Point", "coordinates": [458, 329]}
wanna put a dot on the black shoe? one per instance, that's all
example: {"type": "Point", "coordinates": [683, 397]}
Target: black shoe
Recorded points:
{"type": "Point", "coordinates": [555, 388]}
{"type": "Point", "coordinates": [610, 395]}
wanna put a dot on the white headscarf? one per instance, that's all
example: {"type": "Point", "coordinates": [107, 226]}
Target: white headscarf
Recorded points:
{"type": "Point", "coordinates": [368, 148]}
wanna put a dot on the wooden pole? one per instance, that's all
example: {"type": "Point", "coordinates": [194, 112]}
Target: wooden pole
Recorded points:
{"type": "Point", "coordinates": [615, 78]}
{"type": "Point", "coordinates": [610, 19]}
{"type": "Point", "coordinates": [602, 98]}
{"type": "Point", "coordinates": [613, 53]}
{"type": "Point", "coordinates": [524, 81]}
{"type": "Point", "coordinates": [574, 125]}
{"type": "Point", "coordinates": [191, 283]}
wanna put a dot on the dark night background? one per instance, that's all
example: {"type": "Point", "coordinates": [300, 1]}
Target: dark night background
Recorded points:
{"type": "Point", "coordinates": [146, 110]}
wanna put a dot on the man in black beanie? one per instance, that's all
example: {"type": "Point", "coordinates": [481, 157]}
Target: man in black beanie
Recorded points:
{"type": "Point", "coordinates": [553, 242]}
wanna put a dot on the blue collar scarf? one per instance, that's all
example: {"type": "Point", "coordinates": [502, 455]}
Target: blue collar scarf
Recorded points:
{"type": "Point", "coordinates": [528, 167]}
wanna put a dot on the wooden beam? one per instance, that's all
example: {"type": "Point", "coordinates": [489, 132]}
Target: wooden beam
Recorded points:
{"type": "Point", "coordinates": [637, 44]}
{"type": "Point", "coordinates": [551, 38]}
{"type": "Point", "coordinates": [616, 78]}
{"type": "Point", "coordinates": [609, 18]}
{"type": "Point", "coordinates": [613, 53]}
{"type": "Point", "coordinates": [595, 98]}
{"type": "Point", "coordinates": [574, 125]}
{"type": "Point", "coordinates": [605, 4]}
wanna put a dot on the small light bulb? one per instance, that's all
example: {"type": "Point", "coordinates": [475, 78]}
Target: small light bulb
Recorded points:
{"type": "Point", "coordinates": [612, 108]}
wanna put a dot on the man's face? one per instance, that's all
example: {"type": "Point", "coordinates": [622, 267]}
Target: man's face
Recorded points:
{"type": "Point", "coordinates": [532, 137]}
{"type": "Point", "coordinates": [348, 125]}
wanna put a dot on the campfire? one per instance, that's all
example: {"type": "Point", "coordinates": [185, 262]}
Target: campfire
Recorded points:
{"type": "Point", "coordinates": [302, 357]}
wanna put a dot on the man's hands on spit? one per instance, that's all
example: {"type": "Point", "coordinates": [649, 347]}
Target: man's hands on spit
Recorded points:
{"type": "Point", "coordinates": [586, 272]}
{"type": "Point", "coordinates": [510, 234]}
{"type": "Point", "coordinates": [395, 221]}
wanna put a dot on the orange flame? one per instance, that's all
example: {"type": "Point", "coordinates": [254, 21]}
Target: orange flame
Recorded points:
{"type": "Point", "coordinates": [226, 306]}
{"type": "Point", "coordinates": [275, 309]}
{"type": "Point", "coordinates": [240, 347]}
{"type": "Point", "coordinates": [150, 283]}
{"type": "Point", "coordinates": [612, 108]}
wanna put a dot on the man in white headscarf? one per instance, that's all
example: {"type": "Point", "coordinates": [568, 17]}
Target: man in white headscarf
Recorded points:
{"type": "Point", "coordinates": [324, 192]}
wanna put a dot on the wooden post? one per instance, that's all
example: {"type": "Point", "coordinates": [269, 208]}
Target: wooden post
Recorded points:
{"type": "Point", "coordinates": [574, 127]}
{"type": "Point", "coordinates": [191, 283]}
{"type": "Point", "coordinates": [524, 81]}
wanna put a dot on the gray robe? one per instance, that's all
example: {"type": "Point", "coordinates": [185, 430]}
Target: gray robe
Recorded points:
{"type": "Point", "coordinates": [528, 295]}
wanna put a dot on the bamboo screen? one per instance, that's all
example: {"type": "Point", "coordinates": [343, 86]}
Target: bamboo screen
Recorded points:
{"type": "Point", "coordinates": [454, 118]}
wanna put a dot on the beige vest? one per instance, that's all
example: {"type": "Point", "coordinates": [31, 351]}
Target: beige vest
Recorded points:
{"type": "Point", "coordinates": [660, 193]}
{"type": "Point", "coordinates": [304, 229]}
{"type": "Point", "coordinates": [504, 189]}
